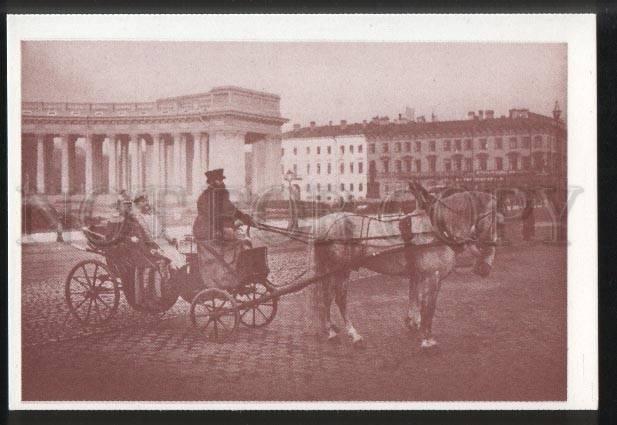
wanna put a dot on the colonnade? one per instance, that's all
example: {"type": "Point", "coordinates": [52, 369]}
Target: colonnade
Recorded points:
{"type": "Point", "coordinates": [111, 162]}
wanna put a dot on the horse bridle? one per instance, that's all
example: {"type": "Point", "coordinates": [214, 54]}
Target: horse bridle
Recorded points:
{"type": "Point", "coordinates": [448, 239]}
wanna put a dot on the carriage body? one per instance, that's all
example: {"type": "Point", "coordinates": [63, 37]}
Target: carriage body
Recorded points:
{"type": "Point", "coordinates": [136, 269]}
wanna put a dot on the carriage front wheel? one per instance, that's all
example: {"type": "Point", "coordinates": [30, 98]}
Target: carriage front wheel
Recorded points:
{"type": "Point", "coordinates": [254, 312]}
{"type": "Point", "coordinates": [214, 313]}
{"type": "Point", "coordinates": [91, 293]}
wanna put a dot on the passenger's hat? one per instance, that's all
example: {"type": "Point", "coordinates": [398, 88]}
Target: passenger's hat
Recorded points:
{"type": "Point", "coordinates": [216, 174]}
{"type": "Point", "coordinates": [140, 198]}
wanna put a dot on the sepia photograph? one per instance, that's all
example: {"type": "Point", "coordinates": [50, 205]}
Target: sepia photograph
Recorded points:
{"type": "Point", "coordinates": [299, 220]}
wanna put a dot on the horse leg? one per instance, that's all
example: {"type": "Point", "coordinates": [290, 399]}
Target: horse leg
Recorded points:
{"type": "Point", "coordinates": [341, 301]}
{"type": "Point", "coordinates": [413, 312]}
{"type": "Point", "coordinates": [429, 288]}
{"type": "Point", "coordinates": [328, 295]}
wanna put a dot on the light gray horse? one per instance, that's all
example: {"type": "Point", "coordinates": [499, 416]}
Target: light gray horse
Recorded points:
{"type": "Point", "coordinates": [345, 241]}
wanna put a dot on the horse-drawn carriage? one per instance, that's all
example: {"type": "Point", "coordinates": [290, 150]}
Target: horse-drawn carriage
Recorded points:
{"type": "Point", "coordinates": [138, 270]}
{"type": "Point", "coordinates": [340, 242]}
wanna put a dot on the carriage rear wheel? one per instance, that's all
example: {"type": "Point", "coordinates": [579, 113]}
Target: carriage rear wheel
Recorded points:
{"type": "Point", "coordinates": [91, 293]}
{"type": "Point", "coordinates": [256, 314]}
{"type": "Point", "coordinates": [214, 313]}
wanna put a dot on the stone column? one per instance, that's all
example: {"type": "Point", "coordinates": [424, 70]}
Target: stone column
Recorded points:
{"type": "Point", "coordinates": [67, 162]}
{"type": "Point", "coordinates": [97, 162]}
{"type": "Point", "coordinates": [175, 160]}
{"type": "Point", "coordinates": [226, 150]}
{"type": "Point", "coordinates": [89, 164]}
{"type": "Point", "coordinates": [113, 163]}
{"type": "Point", "coordinates": [266, 163]}
{"type": "Point", "coordinates": [158, 161]}
{"type": "Point", "coordinates": [182, 168]}
{"type": "Point", "coordinates": [196, 172]}
{"type": "Point", "coordinates": [135, 153]}
{"type": "Point", "coordinates": [41, 163]}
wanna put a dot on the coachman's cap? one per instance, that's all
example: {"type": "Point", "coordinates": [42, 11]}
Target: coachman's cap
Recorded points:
{"type": "Point", "coordinates": [215, 174]}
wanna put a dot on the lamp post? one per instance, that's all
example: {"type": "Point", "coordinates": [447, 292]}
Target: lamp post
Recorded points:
{"type": "Point", "coordinates": [289, 177]}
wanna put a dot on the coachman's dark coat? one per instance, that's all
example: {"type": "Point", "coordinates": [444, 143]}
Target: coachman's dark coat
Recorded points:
{"type": "Point", "coordinates": [215, 211]}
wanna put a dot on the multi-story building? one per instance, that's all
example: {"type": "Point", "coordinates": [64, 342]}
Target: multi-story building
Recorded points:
{"type": "Point", "coordinates": [521, 149]}
{"type": "Point", "coordinates": [328, 161]}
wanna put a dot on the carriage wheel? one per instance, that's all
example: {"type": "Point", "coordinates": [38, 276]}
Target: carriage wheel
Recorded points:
{"type": "Point", "coordinates": [91, 293]}
{"type": "Point", "coordinates": [260, 313]}
{"type": "Point", "coordinates": [214, 312]}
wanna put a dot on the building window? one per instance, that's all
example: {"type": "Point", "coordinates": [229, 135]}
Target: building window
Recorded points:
{"type": "Point", "coordinates": [360, 187]}
{"type": "Point", "coordinates": [371, 148]}
{"type": "Point", "coordinates": [342, 187]}
{"type": "Point", "coordinates": [526, 144]}
{"type": "Point", "coordinates": [350, 148]}
{"type": "Point", "coordinates": [318, 168]}
{"type": "Point", "coordinates": [457, 145]}
{"type": "Point", "coordinates": [431, 146]}
{"type": "Point", "coordinates": [468, 164]}
{"type": "Point", "coordinates": [447, 165]}
{"type": "Point", "coordinates": [418, 165]}
{"type": "Point", "coordinates": [408, 165]}
{"type": "Point", "coordinates": [483, 144]}
{"type": "Point", "coordinates": [468, 144]}
{"type": "Point", "coordinates": [398, 166]}
{"type": "Point", "coordinates": [432, 164]}
{"type": "Point", "coordinates": [295, 151]}
{"type": "Point", "coordinates": [457, 164]}
{"type": "Point", "coordinates": [397, 147]}
{"type": "Point", "coordinates": [318, 150]}
{"type": "Point", "coordinates": [342, 168]}
{"type": "Point", "coordinates": [446, 145]}
{"type": "Point", "coordinates": [342, 149]}
{"type": "Point", "coordinates": [384, 148]}
{"type": "Point", "coordinates": [295, 168]}
{"type": "Point", "coordinates": [282, 169]}
{"type": "Point", "coordinates": [308, 149]}
{"type": "Point", "coordinates": [329, 168]}
{"type": "Point", "coordinates": [386, 166]}
{"type": "Point", "coordinates": [359, 148]}
{"type": "Point", "coordinates": [283, 152]}
{"type": "Point", "coordinates": [351, 187]}
{"type": "Point", "coordinates": [360, 167]}
{"type": "Point", "coordinates": [308, 187]}
{"type": "Point", "coordinates": [329, 187]}
{"type": "Point", "coordinates": [483, 163]}
{"type": "Point", "coordinates": [418, 147]}
{"type": "Point", "coordinates": [537, 142]}
{"type": "Point", "coordinates": [318, 187]}
{"type": "Point", "coordinates": [498, 143]}
{"type": "Point", "coordinates": [371, 167]}
{"type": "Point", "coordinates": [513, 143]}
{"type": "Point", "coordinates": [526, 163]}
{"type": "Point", "coordinates": [329, 150]}
{"type": "Point", "coordinates": [499, 164]}
{"type": "Point", "coordinates": [308, 168]}
{"type": "Point", "coordinates": [513, 162]}
{"type": "Point", "coordinates": [351, 167]}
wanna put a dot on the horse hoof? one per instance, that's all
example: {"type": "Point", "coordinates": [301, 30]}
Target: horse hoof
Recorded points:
{"type": "Point", "coordinates": [428, 345]}
{"type": "Point", "coordinates": [482, 269]}
{"type": "Point", "coordinates": [359, 344]}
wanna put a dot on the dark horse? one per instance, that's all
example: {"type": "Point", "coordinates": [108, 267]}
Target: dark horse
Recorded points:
{"type": "Point", "coordinates": [344, 241]}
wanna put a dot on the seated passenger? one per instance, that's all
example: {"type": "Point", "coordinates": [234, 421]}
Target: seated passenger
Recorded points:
{"type": "Point", "coordinates": [152, 231]}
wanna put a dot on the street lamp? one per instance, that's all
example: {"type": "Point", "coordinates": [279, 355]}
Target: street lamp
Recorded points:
{"type": "Point", "coordinates": [289, 177]}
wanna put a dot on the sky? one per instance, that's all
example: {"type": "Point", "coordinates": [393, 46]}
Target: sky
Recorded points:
{"type": "Point", "coordinates": [317, 81]}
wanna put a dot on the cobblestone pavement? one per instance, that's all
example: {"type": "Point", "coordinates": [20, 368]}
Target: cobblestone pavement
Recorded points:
{"type": "Point", "coordinates": [502, 338]}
